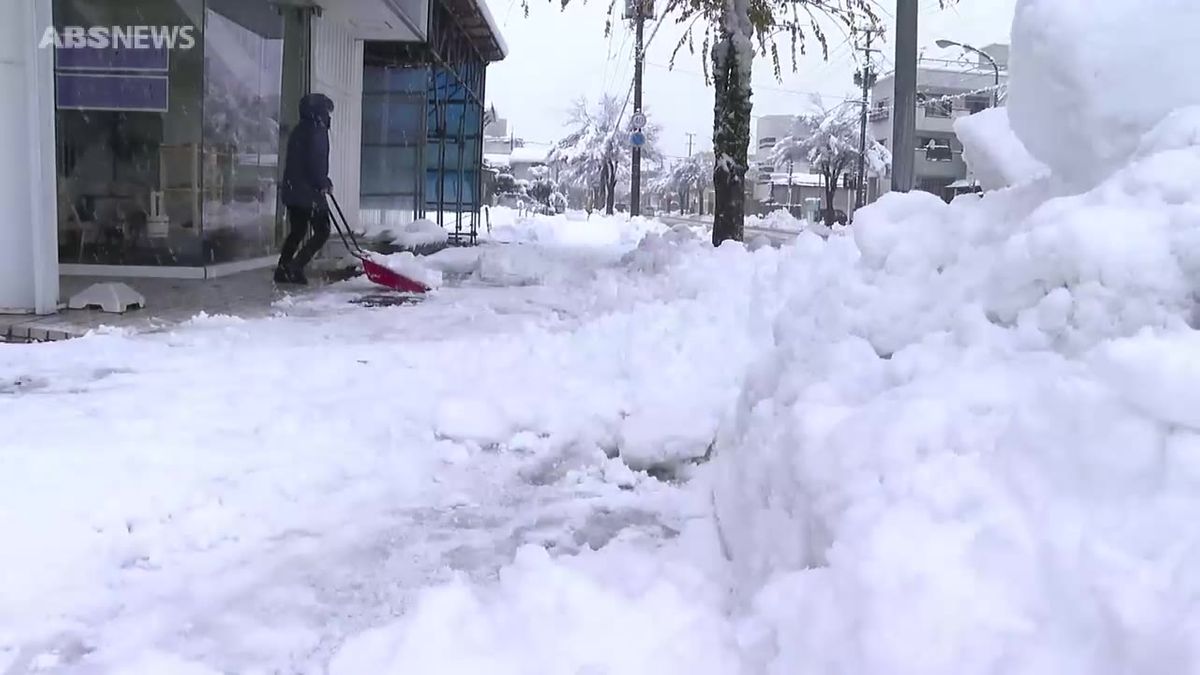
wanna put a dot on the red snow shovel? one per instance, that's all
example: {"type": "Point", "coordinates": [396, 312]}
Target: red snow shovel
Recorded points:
{"type": "Point", "coordinates": [384, 276]}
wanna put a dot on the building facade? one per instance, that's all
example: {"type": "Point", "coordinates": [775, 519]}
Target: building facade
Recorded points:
{"type": "Point", "coordinates": [946, 91]}
{"type": "Point", "coordinates": [787, 185]}
{"type": "Point", "coordinates": [159, 152]}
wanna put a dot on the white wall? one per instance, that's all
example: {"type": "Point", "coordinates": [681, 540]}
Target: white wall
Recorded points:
{"type": "Point", "coordinates": [337, 72]}
{"type": "Point", "coordinates": [28, 228]}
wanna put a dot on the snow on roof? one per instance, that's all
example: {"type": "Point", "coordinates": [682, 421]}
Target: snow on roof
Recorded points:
{"type": "Point", "coordinates": [528, 155]}
{"type": "Point", "coordinates": [477, 22]}
{"type": "Point", "coordinates": [524, 155]}
{"type": "Point", "coordinates": [493, 27]}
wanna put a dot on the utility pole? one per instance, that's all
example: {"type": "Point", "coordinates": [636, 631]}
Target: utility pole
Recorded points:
{"type": "Point", "coordinates": [904, 112]}
{"type": "Point", "coordinates": [789, 199]}
{"type": "Point", "coordinates": [690, 136]}
{"type": "Point", "coordinates": [867, 77]}
{"type": "Point", "coordinates": [639, 21]}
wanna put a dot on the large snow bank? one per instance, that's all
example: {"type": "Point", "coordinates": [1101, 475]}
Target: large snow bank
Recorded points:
{"type": "Point", "coordinates": [994, 153]}
{"type": "Point", "coordinates": [1089, 79]}
{"type": "Point", "coordinates": [972, 449]}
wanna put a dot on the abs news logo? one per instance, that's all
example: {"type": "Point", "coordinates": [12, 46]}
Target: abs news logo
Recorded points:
{"type": "Point", "coordinates": [119, 37]}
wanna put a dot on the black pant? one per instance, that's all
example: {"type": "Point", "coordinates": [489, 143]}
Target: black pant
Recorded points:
{"type": "Point", "coordinates": [303, 221]}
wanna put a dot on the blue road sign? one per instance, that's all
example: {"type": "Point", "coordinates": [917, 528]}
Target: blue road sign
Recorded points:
{"type": "Point", "coordinates": [637, 139]}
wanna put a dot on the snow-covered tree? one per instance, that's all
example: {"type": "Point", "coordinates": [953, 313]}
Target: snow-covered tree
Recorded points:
{"type": "Point", "coordinates": [829, 141]}
{"type": "Point", "coordinates": [737, 31]}
{"type": "Point", "coordinates": [505, 183]}
{"type": "Point", "coordinates": [731, 34]}
{"type": "Point", "coordinates": [596, 154]}
{"type": "Point", "coordinates": [687, 177]}
{"type": "Point", "coordinates": [541, 187]}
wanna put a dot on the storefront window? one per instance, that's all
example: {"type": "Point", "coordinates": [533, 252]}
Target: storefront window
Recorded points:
{"type": "Point", "coordinates": [168, 152]}
{"type": "Point", "coordinates": [129, 136]}
{"type": "Point", "coordinates": [243, 64]}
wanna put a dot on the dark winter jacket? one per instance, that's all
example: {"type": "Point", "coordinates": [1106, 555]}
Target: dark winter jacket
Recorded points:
{"type": "Point", "coordinates": [306, 174]}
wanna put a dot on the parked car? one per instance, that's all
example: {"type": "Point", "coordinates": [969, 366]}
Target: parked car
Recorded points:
{"type": "Point", "coordinates": [835, 216]}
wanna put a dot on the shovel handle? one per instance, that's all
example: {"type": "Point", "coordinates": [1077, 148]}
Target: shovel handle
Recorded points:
{"type": "Point", "coordinates": [356, 250]}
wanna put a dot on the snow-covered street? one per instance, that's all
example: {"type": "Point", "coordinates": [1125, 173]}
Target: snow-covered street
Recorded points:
{"type": "Point", "coordinates": [248, 495]}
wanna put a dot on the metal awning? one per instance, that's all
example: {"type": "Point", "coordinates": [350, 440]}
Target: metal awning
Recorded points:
{"type": "Point", "coordinates": [481, 29]}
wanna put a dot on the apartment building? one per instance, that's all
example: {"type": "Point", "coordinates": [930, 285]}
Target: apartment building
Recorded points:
{"type": "Point", "coordinates": [946, 90]}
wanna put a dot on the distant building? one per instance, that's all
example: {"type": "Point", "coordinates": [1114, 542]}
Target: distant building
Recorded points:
{"type": "Point", "coordinates": [785, 185]}
{"type": "Point", "coordinates": [505, 153]}
{"type": "Point", "coordinates": [518, 161]}
{"type": "Point", "coordinates": [497, 139]}
{"type": "Point", "coordinates": [946, 90]}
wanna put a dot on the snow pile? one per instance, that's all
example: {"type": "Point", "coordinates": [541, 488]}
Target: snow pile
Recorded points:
{"type": "Point", "coordinates": [659, 250]}
{"type": "Point", "coordinates": [996, 156]}
{"type": "Point", "coordinates": [420, 233]}
{"type": "Point", "coordinates": [454, 261]}
{"type": "Point", "coordinates": [569, 230]}
{"type": "Point", "coordinates": [598, 613]}
{"type": "Point", "coordinates": [1082, 104]}
{"type": "Point", "coordinates": [409, 265]}
{"type": "Point", "coordinates": [972, 449]}
{"type": "Point", "coordinates": [779, 219]}
{"type": "Point", "coordinates": [759, 241]}
{"type": "Point", "coordinates": [520, 265]}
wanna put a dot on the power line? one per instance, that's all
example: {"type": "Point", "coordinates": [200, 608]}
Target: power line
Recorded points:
{"type": "Point", "coordinates": [796, 92]}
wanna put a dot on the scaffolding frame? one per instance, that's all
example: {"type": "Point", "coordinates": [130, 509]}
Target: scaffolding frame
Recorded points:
{"type": "Point", "coordinates": [449, 157]}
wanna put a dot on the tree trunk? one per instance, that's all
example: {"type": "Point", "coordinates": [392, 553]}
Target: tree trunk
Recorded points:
{"type": "Point", "coordinates": [611, 184]}
{"type": "Point", "coordinates": [607, 184]}
{"type": "Point", "coordinates": [830, 196]}
{"type": "Point", "coordinates": [732, 57]}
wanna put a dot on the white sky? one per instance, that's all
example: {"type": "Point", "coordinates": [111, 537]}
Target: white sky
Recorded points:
{"type": "Point", "coordinates": [558, 55]}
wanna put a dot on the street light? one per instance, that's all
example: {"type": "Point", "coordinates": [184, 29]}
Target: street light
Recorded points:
{"type": "Point", "coordinates": [944, 44]}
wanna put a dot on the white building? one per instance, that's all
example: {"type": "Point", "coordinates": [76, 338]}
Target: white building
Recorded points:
{"type": "Point", "coordinates": [163, 160]}
{"type": "Point", "coordinates": [497, 140]}
{"type": "Point", "coordinates": [773, 185]}
{"type": "Point", "coordinates": [518, 161]}
{"type": "Point", "coordinates": [946, 90]}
